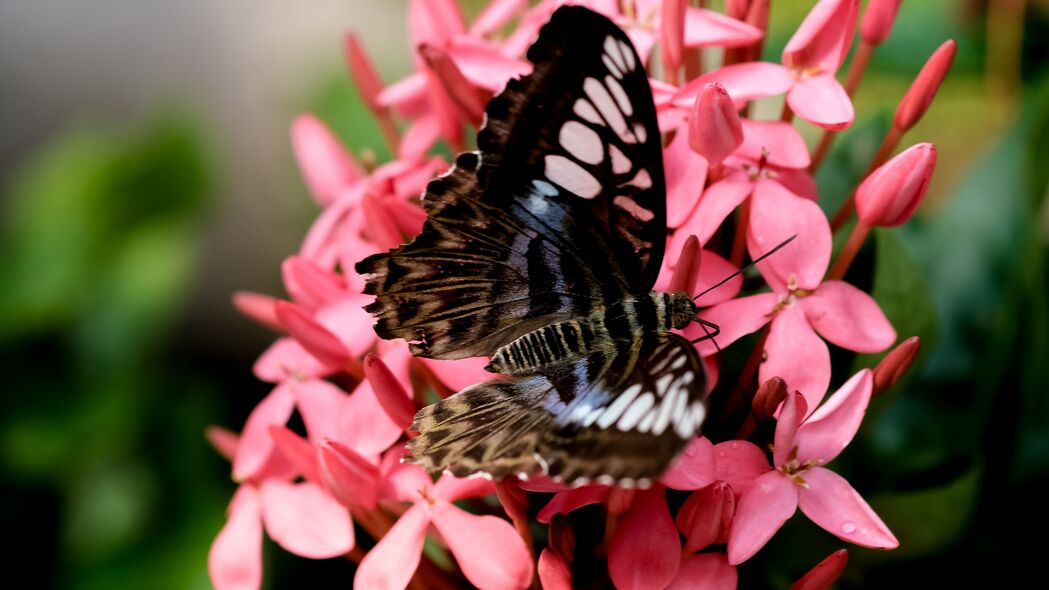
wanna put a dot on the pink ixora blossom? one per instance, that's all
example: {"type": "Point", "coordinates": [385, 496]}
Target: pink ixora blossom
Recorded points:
{"type": "Point", "coordinates": [798, 479]}
{"type": "Point", "coordinates": [810, 61]}
{"type": "Point", "coordinates": [801, 304]}
{"type": "Point", "coordinates": [487, 549]}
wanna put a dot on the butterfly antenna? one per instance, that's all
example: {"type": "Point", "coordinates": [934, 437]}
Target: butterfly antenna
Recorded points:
{"type": "Point", "coordinates": [746, 268]}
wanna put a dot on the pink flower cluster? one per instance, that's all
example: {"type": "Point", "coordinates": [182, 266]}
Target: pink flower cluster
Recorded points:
{"type": "Point", "coordinates": [734, 183]}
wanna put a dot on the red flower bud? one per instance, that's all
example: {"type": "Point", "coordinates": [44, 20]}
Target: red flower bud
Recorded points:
{"type": "Point", "coordinates": [714, 128]}
{"type": "Point", "coordinates": [890, 195]}
{"type": "Point", "coordinates": [224, 441]}
{"type": "Point", "coordinates": [554, 573]}
{"type": "Point", "coordinates": [878, 20]}
{"type": "Point", "coordinates": [919, 96]}
{"type": "Point", "coordinates": [706, 516]}
{"type": "Point", "coordinates": [350, 478]}
{"type": "Point", "coordinates": [687, 270]}
{"type": "Point", "coordinates": [562, 536]}
{"type": "Point", "coordinates": [315, 338]}
{"type": "Point", "coordinates": [768, 398]}
{"type": "Point", "coordinates": [513, 499]}
{"type": "Point", "coordinates": [464, 96]}
{"type": "Point", "coordinates": [310, 285]}
{"type": "Point", "coordinates": [737, 9]}
{"type": "Point", "coordinates": [395, 401]}
{"type": "Point", "coordinates": [825, 573]}
{"type": "Point", "coordinates": [895, 364]}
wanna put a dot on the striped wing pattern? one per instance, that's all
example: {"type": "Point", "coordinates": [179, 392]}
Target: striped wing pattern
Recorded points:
{"type": "Point", "coordinates": [616, 419]}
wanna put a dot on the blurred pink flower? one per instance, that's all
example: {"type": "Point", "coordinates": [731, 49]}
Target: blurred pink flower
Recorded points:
{"type": "Point", "coordinates": [488, 550]}
{"type": "Point", "coordinates": [802, 304]}
{"type": "Point", "coordinates": [705, 571]}
{"type": "Point", "coordinates": [800, 450]}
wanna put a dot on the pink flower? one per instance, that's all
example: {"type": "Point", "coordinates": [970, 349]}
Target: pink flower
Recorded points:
{"type": "Point", "coordinates": [714, 128]}
{"type": "Point", "coordinates": [878, 20]}
{"type": "Point", "coordinates": [919, 96]}
{"type": "Point", "coordinates": [810, 60]}
{"type": "Point", "coordinates": [802, 304]}
{"type": "Point", "coordinates": [645, 549]}
{"type": "Point", "coordinates": [488, 550]}
{"type": "Point", "coordinates": [800, 480]}
{"type": "Point", "coordinates": [705, 571]}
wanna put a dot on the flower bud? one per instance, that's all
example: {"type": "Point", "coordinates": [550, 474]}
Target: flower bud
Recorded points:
{"type": "Point", "coordinates": [513, 499]}
{"type": "Point", "coordinates": [562, 536]}
{"type": "Point", "coordinates": [258, 307]}
{"type": "Point", "coordinates": [464, 96]}
{"type": "Point", "coordinates": [553, 570]}
{"type": "Point", "coordinates": [919, 96]}
{"type": "Point", "coordinates": [714, 128]}
{"type": "Point", "coordinates": [878, 20]}
{"type": "Point", "coordinates": [672, 36]}
{"type": "Point", "coordinates": [310, 285]}
{"type": "Point", "coordinates": [349, 477]}
{"type": "Point", "coordinates": [737, 9]}
{"type": "Point", "coordinates": [363, 73]}
{"type": "Point", "coordinates": [687, 270]}
{"type": "Point", "coordinates": [768, 398]}
{"type": "Point", "coordinates": [394, 400]}
{"type": "Point", "coordinates": [706, 516]}
{"type": "Point", "coordinates": [890, 195]}
{"type": "Point", "coordinates": [825, 573]}
{"type": "Point", "coordinates": [895, 364]}
{"type": "Point", "coordinates": [315, 338]}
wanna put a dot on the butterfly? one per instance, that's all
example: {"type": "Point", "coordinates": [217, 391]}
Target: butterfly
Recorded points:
{"type": "Point", "coordinates": [540, 250]}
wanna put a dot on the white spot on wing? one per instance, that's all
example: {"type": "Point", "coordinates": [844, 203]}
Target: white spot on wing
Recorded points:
{"type": "Point", "coordinates": [612, 50]}
{"type": "Point", "coordinates": [582, 142]}
{"type": "Point", "coordinates": [636, 211]}
{"type": "Point", "coordinates": [545, 188]}
{"type": "Point", "coordinates": [662, 383]}
{"type": "Point", "coordinates": [585, 111]}
{"type": "Point", "coordinates": [571, 176]}
{"type": "Point", "coordinates": [618, 405]}
{"type": "Point", "coordinates": [679, 362]}
{"type": "Point", "coordinates": [628, 55]}
{"type": "Point", "coordinates": [620, 163]}
{"type": "Point", "coordinates": [611, 65]}
{"type": "Point", "coordinates": [640, 133]}
{"type": "Point", "coordinates": [606, 105]}
{"type": "Point", "coordinates": [641, 180]}
{"type": "Point", "coordinates": [665, 409]}
{"type": "Point", "coordinates": [620, 95]}
{"type": "Point", "coordinates": [636, 412]}
{"type": "Point", "coordinates": [646, 424]}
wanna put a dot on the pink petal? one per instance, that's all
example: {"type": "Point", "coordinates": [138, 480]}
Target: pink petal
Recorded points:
{"type": "Point", "coordinates": [484, 65]}
{"type": "Point", "coordinates": [848, 317]}
{"type": "Point", "coordinates": [434, 21]}
{"type": "Point", "coordinates": [777, 214]}
{"type": "Point", "coordinates": [223, 440]}
{"type": "Point", "coordinates": [319, 403]}
{"type": "Point", "coordinates": [305, 520]}
{"type": "Point", "coordinates": [495, 15]}
{"type": "Point", "coordinates": [420, 135]}
{"type": "Point", "coordinates": [348, 321]}
{"type": "Point", "coordinates": [310, 285]}
{"type": "Point", "coordinates": [826, 572]}
{"type": "Point", "coordinates": [363, 425]}
{"type": "Point", "coordinates": [738, 463]}
{"type": "Point", "coordinates": [325, 163]}
{"type": "Point", "coordinates": [450, 488]}
{"type": "Point", "coordinates": [798, 356]}
{"type": "Point", "coordinates": [460, 374]}
{"type": "Point", "coordinates": [258, 308]}
{"type": "Point", "coordinates": [714, 128]}
{"type": "Point", "coordinates": [712, 270]}
{"type": "Point", "coordinates": [407, 94]}
{"type": "Point", "coordinates": [235, 558]}
{"type": "Point", "coordinates": [779, 141]}
{"type": "Point", "coordinates": [706, 27]}
{"type": "Point", "coordinates": [554, 573]}
{"type": "Point", "coordinates": [760, 513]}
{"type": "Point", "coordinates": [393, 561]}
{"type": "Point", "coordinates": [568, 500]}
{"type": "Point", "coordinates": [822, 101]}
{"type": "Point", "coordinates": [686, 174]}
{"type": "Point", "coordinates": [717, 203]}
{"type": "Point", "coordinates": [831, 427]}
{"type": "Point", "coordinates": [351, 479]}
{"type": "Point", "coordinates": [395, 401]}
{"type": "Point", "coordinates": [743, 82]}
{"type": "Point", "coordinates": [787, 427]}
{"type": "Point", "coordinates": [256, 444]}
{"type": "Point", "coordinates": [706, 571]}
{"type": "Point", "coordinates": [402, 481]}
{"type": "Point", "coordinates": [736, 318]}
{"type": "Point", "coordinates": [312, 335]}
{"type": "Point", "coordinates": [487, 548]}
{"type": "Point", "coordinates": [824, 37]}
{"type": "Point", "coordinates": [693, 468]}
{"type": "Point", "coordinates": [287, 359]}
{"type": "Point", "coordinates": [645, 550]}
{"type": "Point", "coordinates": [299, 452]}
{"type": "Point", "coordinates": [643, 41]}
{"type": "Point", "coordinates": [799, 182]}
{"type": "Point", "coordinates": [834, 505]}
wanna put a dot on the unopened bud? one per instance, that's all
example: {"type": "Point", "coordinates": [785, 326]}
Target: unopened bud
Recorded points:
{"type": "Point", "coordinates": [672, 36]}
{"type": "Point", "coordinates": [891, 194]}
{"type": "Point", "coordinates": [825, 573]}
{"type": "Point", "coordinates": [315, 338]}
{"type": "Point", "coordinates": [768, 398]}
{"type": "Point", "coordinates": [919, 96]}
{"type": "Point", "coordinates": [895, 364]}
{"type": "Point", "coordinates": [464, 96]}
{"type": "Point", "coordinates": [878, 20]}
{"type": "Point", "coordinates": [363, 73]}
{"type": "Point", "coordinates": [714, 128]}
{"type": "Point", "coordinates": [706, 516]}
{"type": "Point", "coordinates": [687, 271]}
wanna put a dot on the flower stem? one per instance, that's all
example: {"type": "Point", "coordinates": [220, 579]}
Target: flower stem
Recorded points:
{"type": "Point", "coordinates": [739, 241]}
{"type": "Point", "coordinates": [888, 145]}
{"type": "Point", "coordinates": [757, 356]}
{"type": "Point", "coordinates": [858, 67]}
{"type": "Point", "coordinates": [849, 251]}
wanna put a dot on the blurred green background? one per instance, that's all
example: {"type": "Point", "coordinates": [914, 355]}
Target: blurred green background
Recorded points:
{"type": "Point", "coordinates": [146, 173]}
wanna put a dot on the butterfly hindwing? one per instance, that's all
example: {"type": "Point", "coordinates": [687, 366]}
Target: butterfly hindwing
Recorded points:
{"type": "Point", "coordinates": [610, 418]}
{"type": "Point", "coordinates": [561, 212]}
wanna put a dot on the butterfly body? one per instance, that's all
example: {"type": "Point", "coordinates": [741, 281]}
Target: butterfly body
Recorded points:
{"type": "Point", "coordinates": [541, 250]}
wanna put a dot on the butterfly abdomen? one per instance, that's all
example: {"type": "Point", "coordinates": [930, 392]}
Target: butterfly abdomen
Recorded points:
{"type": "Point", "coordinates": [603, 331]}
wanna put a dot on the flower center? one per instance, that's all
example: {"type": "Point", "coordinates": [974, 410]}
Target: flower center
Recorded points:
{"type": "Point", "coordinates": [425, 493]}
{"type": "Point", "coordinates": [791, 296]}
{"type": "Point", "coordinates": [795, 470]}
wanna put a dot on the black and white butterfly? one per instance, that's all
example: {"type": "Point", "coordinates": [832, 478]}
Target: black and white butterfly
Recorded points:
{"type": "Point", "coordinates": [541, 250]}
